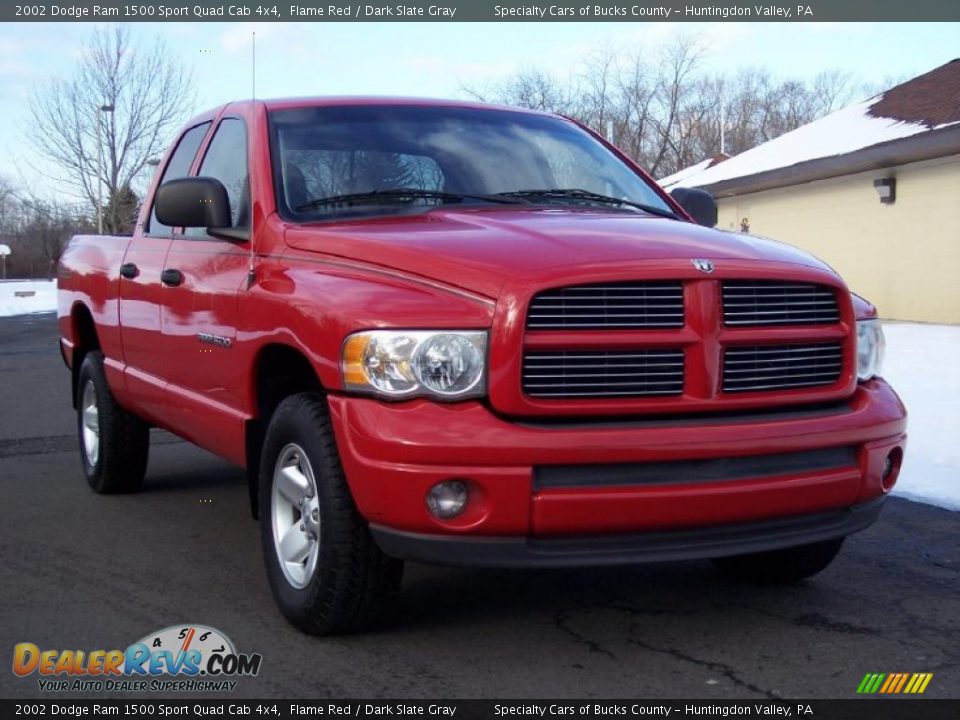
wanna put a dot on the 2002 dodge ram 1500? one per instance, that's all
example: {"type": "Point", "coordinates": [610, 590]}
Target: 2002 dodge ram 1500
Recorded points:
{"type": "Point", "coordinates": [471, 335]}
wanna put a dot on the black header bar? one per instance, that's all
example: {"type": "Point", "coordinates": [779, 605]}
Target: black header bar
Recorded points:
{"type": "Point", "coordinates": [558, 709]}
{"type": "Point", "coordinates": [483, 11]}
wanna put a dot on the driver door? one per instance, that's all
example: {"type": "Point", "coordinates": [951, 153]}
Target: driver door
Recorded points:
{"type": "Point", "coordinates": [202, 280]}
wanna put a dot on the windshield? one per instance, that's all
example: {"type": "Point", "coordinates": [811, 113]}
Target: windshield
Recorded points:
{"type": "Point", "coordinates": [350, 160]}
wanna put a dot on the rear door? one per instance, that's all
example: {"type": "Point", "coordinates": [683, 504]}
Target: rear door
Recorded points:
{"type": "Point", "coordinates": [204, 276]}
{"type": "Point", "coordinates": [140, 290]}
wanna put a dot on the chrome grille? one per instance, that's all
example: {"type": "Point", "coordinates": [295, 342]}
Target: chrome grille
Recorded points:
{"type": "Point", "coordinates": [779, 367]}
{"type": "Point", "coordinates": [625, 306]}
{"type": "Point", "coordinates": [603, 373]}
{"type": "Point", "coordinates": [755, 302]}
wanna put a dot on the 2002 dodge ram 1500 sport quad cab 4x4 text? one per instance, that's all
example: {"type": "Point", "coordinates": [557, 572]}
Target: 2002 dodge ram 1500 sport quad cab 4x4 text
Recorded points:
{"type": "Point", "coordinates": [472, 335]}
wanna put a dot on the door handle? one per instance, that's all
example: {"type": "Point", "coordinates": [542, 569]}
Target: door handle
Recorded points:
{"type": "Point", "coordinates": [129, 271]}
{"type": "Point", "coordinates": [171, 277]}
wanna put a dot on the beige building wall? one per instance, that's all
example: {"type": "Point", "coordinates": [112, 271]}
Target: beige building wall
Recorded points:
{"type": "Point", "coordinates": [904, 257]}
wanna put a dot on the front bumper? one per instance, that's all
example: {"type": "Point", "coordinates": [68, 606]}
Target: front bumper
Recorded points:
{"type": "Point", "coordinates": [535, 488]}
{"type": "Point", "coordinates": [705, 542]}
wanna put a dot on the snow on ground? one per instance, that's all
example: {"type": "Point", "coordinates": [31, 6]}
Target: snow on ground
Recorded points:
{"type": "Point", "coordinates": [923, 365]}
{"type": "Point", "coordinates": [44, 298]}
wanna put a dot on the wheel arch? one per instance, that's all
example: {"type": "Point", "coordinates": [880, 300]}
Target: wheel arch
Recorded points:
{"type": "Point", "coordinates": [85, 340]}
{"type": "Point", "coordinates": [279, 370]}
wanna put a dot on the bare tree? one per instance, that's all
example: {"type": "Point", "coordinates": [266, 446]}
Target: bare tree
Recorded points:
{"type": "Point", "coordinates": [36, 230]}
{"type": "Point", "coordinates": [635, 86]}
{"type": "Point", "coordinates": [596, 96]}
{"type": "Point", "coordinates": [659, 106]}
{"type": "Point", "coordinates": [530, 88]}
{"type": "Point", "coordinates": [150, 94]}
{"type": "Point", "coordinates": [678, 63]}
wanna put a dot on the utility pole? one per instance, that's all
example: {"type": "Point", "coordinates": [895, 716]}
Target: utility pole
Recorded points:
{"type": "Point", "coordinates": [100, 112]}
{"type": "Point", "coordinates": [723, 129]}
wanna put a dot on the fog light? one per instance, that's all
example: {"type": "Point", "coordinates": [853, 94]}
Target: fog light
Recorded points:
{"type": "Point", "coordinates": [891, 468]}
{"type": "Point", "coordinates": [447, 499]}
{"type": "Point", "coordinates": [887, 467]}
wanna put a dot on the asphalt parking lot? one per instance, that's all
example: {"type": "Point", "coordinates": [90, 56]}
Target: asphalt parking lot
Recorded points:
{"type": "Point", "coordinates": [85, 571]}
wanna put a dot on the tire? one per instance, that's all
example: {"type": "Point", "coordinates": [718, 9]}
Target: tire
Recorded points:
{"type": "Point", "coordinates": [338, 581]}
{"type": "Point", "coordinates": [781, 566]}
{"type": "Point", "coordinates": [114, 443]}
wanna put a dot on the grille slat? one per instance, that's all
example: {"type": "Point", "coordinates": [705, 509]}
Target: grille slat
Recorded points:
{"type": "Point", "coordinates": [780, 367]}
{"type": "Point", "coordinates": [623, 306]}
{"type": "Point", "coordinates": [776, 303]}
{"type": "Point", "coordinates": [606, 374]}
{"type": "Point", "coordinates": [789, 349]}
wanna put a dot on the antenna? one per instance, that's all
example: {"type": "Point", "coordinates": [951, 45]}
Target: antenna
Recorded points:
{"type": "Point", "coordinates": [251, 270]}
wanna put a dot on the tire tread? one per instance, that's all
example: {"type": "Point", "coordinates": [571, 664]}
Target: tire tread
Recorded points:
{"type": "Point", "coordinates": [359, 584]}
{"type": "Point", "coordinates": [124, 437]}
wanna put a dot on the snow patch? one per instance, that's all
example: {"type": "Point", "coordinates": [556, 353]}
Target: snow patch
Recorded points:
{"type": "Point", "coordinates": [923, 365]}
{"type": "Point", "coordinates": [681, 175]}
{"type": "Point", "coordinates": [20, 297]}
{"type": "Point", "coordinates": [839, 133]}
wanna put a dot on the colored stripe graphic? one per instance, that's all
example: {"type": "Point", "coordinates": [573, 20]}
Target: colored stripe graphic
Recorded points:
{"type": "Point", "coordinates": [892, 680]}
{"type": "Point", "coordinates": [918, 683]}
{"type": "Point", "coordinates": [894, 683]}
{"type": "Point", "coordinates": [870, 683]}
{"type": "Point", "coordinates": [903, 681]}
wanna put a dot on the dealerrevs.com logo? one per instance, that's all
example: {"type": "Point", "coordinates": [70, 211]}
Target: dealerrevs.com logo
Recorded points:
{"type": "Point", "coordinates": [187, 658]}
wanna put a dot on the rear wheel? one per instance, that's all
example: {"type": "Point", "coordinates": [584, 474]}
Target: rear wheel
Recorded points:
{"type": "Point", "coordinates": [114, 443]}
{"type": "Point", "coordinates": [326, 572]}
{"type": "Point", "coordinates": [781, 566]}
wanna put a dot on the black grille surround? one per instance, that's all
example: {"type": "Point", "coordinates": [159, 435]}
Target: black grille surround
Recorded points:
{"type": "Point", "coordinates": [693, 340]}
{"type": "Point", "coordinates": [757, 368]}
{"type": "Point", "coordinates": [761, 302]}
{"type": "Point", "coordinates": [603, 373]}
{"type": "Point", "coordinates": [608, 306]}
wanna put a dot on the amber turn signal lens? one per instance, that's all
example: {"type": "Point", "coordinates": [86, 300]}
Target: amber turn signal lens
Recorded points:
{"type": "Point", "coordinates": [353, 351]}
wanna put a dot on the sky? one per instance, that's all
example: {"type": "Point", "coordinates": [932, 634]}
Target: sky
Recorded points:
{"type": "Point", "coordinates": [438, 59]}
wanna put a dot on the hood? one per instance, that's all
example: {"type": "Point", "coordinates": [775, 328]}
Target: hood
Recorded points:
{"type": "Point", "coordinates": [481, 249]}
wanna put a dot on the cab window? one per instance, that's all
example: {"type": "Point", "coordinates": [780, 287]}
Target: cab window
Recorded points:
{"type": "Point", "coordinates": [178, 167]}
{"type": "Point", "coordinates": [226, 161]}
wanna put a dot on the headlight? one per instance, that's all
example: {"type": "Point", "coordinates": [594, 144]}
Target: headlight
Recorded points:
{"type": "Point", "coordinates": [447, 364]}
{"type": "Point", "coordinates": [870, 348]}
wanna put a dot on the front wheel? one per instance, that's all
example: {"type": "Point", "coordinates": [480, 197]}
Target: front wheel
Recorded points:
{"type": "Point", "coordinates": [326, 572]}
{"type": "Point", "coordinates": [114, 443]}
{"type": "Point", "coordinates": [781, 566]}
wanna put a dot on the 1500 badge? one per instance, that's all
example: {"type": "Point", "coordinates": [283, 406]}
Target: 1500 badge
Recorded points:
{"type": "Point", "coordinates": [218, 340]}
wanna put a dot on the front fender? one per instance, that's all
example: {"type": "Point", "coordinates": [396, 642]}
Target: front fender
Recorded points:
{"type": "Point", "coordinates": [313, 303]}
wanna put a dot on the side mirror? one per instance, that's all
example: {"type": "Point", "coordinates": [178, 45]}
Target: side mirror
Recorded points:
{"type": "Point", "coordinates": [699, 205]}
{"type": "Point", "coordinates": [193, 202]}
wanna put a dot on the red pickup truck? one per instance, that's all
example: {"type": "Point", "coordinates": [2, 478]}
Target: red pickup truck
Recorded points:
{"type": "Point", "coordinates": [473, 335]}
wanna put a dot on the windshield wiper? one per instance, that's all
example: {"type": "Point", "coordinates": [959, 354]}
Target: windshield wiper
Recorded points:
{"type": "Point", "coordinates": [404, 194]}
{"type": "Point", "coordinates": [588, 197]}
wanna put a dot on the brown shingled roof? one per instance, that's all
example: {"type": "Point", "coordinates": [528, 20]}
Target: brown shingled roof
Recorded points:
{"type": "Point", "coordinates": [931, 99]}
